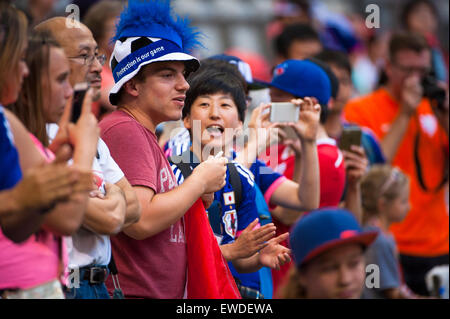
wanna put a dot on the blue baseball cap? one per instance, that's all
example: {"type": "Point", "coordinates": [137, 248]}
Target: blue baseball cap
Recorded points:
{"type": "Point", "coordinates": [302, 78]}
{"type": "Point", "coordinates": [324, 229]}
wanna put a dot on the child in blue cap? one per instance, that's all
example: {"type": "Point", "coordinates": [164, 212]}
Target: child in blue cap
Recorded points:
{"type": "Point", "coordinates": [328, 248]}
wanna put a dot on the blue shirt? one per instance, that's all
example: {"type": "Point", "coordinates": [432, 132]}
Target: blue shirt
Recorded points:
{"type": "Point", "coordinates": [383, 253]}
{"type": "Point", "coordinates": [232, 220]}
{"type": "Point", "coordinates": [10, 172]}
{"type": "Point", "coordinates": [264, 175]}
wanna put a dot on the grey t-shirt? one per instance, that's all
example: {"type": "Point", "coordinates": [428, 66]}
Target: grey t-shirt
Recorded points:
{"type": "Point", "coordinates": [383, 254]}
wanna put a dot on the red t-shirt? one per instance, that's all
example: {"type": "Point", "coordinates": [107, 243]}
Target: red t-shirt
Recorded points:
{"type": "Point", "coordinates": [331, 166]}
{"type": "Point", "coordinates": [156, 266]}
{"type": "Point", "coordinates": [332, 184]}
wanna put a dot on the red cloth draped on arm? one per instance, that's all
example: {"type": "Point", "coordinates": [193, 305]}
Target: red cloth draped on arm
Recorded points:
{"type": "Point", "coordinates": [208, 274]}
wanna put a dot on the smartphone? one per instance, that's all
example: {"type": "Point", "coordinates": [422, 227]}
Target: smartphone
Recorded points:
{"type": "Point", "coordinates": [350, 136]}
{"type": "Point", "coordinates": [284, 112]}
{"type": "Point", "coordinates": [79, 91]}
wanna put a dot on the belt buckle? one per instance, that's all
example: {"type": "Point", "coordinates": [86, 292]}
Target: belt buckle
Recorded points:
{"type": "Point", "coordinates": [92, 272]}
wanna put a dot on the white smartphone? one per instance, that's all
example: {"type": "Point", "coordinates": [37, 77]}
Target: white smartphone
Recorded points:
{"type": "Point", "coordinates": [284, 112]}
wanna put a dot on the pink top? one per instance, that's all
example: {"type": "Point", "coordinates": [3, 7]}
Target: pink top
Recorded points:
{"type": "Point", "coordinates": [34, 261]}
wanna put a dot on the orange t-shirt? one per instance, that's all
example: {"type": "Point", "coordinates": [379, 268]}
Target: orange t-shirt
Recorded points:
{"type": "Point", "coordinates": [424, 231]}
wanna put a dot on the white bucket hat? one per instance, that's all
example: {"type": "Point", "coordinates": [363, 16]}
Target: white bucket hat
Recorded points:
{"type": "Point", "coordinates": [148, 33]}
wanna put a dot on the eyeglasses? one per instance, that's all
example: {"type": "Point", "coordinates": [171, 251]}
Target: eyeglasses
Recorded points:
{"type": "Point", "coordinates": [411, 69]}
{"type": "Point", "coordinates": [89, 59]}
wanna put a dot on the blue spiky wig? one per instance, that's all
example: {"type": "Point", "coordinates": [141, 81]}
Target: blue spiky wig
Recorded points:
{"type": "Point", "coordinates": [149, 31]}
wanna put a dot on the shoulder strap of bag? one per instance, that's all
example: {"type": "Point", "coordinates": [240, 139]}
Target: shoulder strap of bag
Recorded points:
{"type": "Point", "coordinates": [235, 179]}
{"type": "Point", "coordinates": [118, 293]}
{"type": "Point", "coordinates": [236, 183]}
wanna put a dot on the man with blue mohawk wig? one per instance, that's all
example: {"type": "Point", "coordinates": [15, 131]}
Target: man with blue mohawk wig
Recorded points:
{"type": "Point", "coordinates": [150, 62]}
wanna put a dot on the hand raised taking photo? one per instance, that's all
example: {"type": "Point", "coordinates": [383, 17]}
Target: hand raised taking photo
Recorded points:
{"type": "Point", "coordinates": [308, 124]}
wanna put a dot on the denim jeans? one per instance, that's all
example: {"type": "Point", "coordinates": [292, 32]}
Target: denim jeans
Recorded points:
{"type": "Point", "coordinates": [87, 290]}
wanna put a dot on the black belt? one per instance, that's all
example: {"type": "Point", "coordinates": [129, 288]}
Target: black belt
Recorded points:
{"type": "Point", "coordinates": [94, 275]}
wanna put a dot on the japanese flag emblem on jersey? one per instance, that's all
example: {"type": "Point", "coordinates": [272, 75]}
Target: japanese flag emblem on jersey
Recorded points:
{"type": "Point", "coordinates": [228, 198]}
{"type": "Point", "coordinates": [230, 221]}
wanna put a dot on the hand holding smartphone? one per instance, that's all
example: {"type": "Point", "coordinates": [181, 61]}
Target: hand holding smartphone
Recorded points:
{"type": "Point", "coordinates": [284, 112]}
{"type": "Point", "coordinates": [79, 93]}
{"type": "Point", "coordinates": [350, 136]}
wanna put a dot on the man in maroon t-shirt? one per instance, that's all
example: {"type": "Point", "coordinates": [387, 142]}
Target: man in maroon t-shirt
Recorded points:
{"type": "Point", "coordinates": [149, 67]}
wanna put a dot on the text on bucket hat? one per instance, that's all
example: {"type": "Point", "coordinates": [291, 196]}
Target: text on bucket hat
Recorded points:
{"type": "Point", "coordinates": [148, 32]}
{"type": "Point", "coordinates": [302, 78]}
{"type": "Point", "coordinates": [324, 229]}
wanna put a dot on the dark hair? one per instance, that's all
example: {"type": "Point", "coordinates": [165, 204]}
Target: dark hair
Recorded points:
{"type": "Point", "coordinates": [291, 33]}
{"type": "Point", "coordinates": [99, 14]}
{"type": "Point", "coordinates": [209, 80]}
{"type": "Point", "coordinates": [331, 76]}
{"type": "Point", "coordinates": [29, 107]}
{"type": "Point", "coordinates": [225, 66]}
{"type": "Point", "coordinates": [411, 5]}
{"type": "Point", "coordinates": [407, 41]}
{"type": "Point", "coordinates": [336, 58]}
{"type": "Point", "coordinates": [303, 5]}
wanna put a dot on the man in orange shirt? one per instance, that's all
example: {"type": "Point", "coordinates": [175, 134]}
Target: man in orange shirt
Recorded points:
{"type": "Point", "coordinates": [414, 137]}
